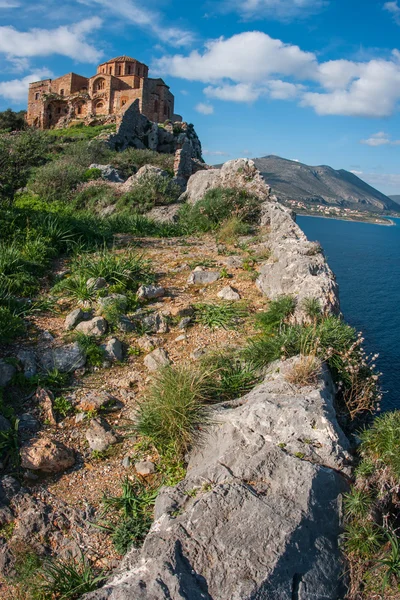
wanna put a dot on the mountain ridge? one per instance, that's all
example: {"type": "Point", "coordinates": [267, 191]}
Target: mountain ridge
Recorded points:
{"type": "Point", "coordinates": [293, 180]}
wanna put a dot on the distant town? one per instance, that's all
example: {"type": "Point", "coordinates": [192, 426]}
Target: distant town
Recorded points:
{"type": "Point", "coordinates": [335, 212]}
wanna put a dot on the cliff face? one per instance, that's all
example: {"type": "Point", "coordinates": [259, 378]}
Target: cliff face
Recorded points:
{"type": "Point", "coordinates": [258, 514]}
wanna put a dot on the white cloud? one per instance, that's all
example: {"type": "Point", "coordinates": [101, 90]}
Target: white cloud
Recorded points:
{"type": "Point", "coordinates": [358, 173]}
{"type": "Point", "coordinates": [390, 182]}
{"type": "Point", "coordinates": [276, 9]}
{"type": "Point", "coordinates": [380, 139]}
{"type": "Point", "coordinates": [68, 40]}
{"type": "Point", "coordinates": [285, 72]}
{"type": "Point", "coordinates": [9, 4]}
{"type": "Point", "coordinates": [16, 90]}
{"type": "Point", "coordinates": [204, 109]}
{"type": "Point", "coordinates": [247, 57]}
{"type": "Point", "coordinates": [133, 12]}
{"type": "Point", "coordinates": [394, 9]}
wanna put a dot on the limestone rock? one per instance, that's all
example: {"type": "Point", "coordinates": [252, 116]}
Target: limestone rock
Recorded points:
{"type": "Point", "coordinates": [165, 214]}
{"type": "Point", "coordinates": [145, 467]}
{"type": "Point", "coordinates": [64, 358]}
{"type": "Point", "coordinates": [96, 283]}
{"type": "Point", "coordinates": [108, 172]}
{"type": "Point", "coordinates": [113, 350]}
{"type": "Point", "coordinates": [98, 399]}
{"type": "Point", "coordinates": [119, 300]}
{"type": "Point", "coordinates": [125, 324]}
{"type": "Point", "coordinates": [44, 398]}
{"type": "Point", "coordinates": [200, 277]}
{"type": "Point", "coordinates": [147, 343]}
{"type": "Point", "coordinates": [28, 425]}
{"type": "Point", "coordinates": [157, 359]}
{"type": "Point", "coordinates": [73, 319]}
{"type": "Point", "coordinates": [27, 358]}
{"type": "Point", "coordinates": [47, 455]}
{"type": "Point", "coordinates": [259, 521]}
{"type": "Point", "coordinates": [99, 435]}
{"type": "Point", "coordinates": [150, 170]}
{"type": "Point", "coordinates": [96, 327]}
{"type": "Point", "coordinates": [155, 323]}
{"type": "Point", "coordinates": [7, 372]}
{"type": "Point", "coordinates": [234, 262]}
{"type": "Point", "coordinates": [184, 322]}
{"type": "Point", "coordinates": [150, 292]}
{"type": "Point", "coordinates": [296, 266]}
{"type": "Point", "coordinates": [240, 173]}
{"type": "Point", "coordinates": [228, 293]}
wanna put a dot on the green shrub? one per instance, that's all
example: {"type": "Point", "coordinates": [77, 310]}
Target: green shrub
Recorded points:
{"type": "Point", "coordinates": [12, 121]}
{"type": "Point", "coordinates": [149, 191]}
{"type": "Point", "coordinates": [95, 355]}
{"type": "Point", "coordinates": [231, 229]}
{"type": "Point", "coordinates": [173, 411]}
{"type": "Point", "coordinates": [67, 579]}
{"type": "Point", "coordinates": [217, 206]}
{"type": "Point", "coordinates": [130, 160]}
{"type": "Point", "coordinates": [11, 326]}
{"type": "Point", "coordinates": [56, 180]}
{"type": "Point", "coordinates": [92, 174]}
{"type": "Point", "coordinates": [227, 315]}
{"type": "Point", "coordinates": [230, 376]}
{"type": "Point", "coordinates": [381, 442]}
{"type": "Point", "coordinates": [278, 311]}
{"type": "Point", "coordinates": [94, 197]}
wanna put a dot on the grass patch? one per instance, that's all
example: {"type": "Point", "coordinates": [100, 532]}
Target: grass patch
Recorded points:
{"type": "Point", "coordinates": [227, 315]}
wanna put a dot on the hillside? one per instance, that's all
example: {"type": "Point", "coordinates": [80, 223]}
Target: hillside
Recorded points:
{"type": "Point", "coordinates": [395, 198]}
{"type": "Point", "coordinates": [292, 180]}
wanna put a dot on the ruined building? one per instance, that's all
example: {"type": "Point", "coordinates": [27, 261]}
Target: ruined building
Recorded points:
{"type": "Point", "coordinates": [116, 85]}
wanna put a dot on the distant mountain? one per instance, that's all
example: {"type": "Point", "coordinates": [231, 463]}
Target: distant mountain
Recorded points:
{"type": "Point", "coordinates": [395, 198]}
{"type": "Point", "coordinates": [292, 180]}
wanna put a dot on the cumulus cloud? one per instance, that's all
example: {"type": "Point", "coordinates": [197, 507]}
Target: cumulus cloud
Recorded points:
{"type": "Point", "coordinates": [394, 9]}
{"type": "Point", "coordinates": [285, 72]}
{"type": "Point", "coordinates": [134, 12]}
{"type": "Point", "coordinates": [16, 90]}
{"type": "Point", "coordinates": [204, 109]}
{"type": "Point", "coordinates": [380, 139]}
{"type": "Point", "coordinates": [68, 40]}
{"type": "Point", "coordinates": [277, 9]}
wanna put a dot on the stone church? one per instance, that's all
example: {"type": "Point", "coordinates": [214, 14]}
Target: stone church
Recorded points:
{"type": "Point", "coordinates": [116, 85]}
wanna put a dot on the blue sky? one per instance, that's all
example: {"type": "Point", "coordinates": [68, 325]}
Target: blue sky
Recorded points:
{"type": "Point", "coordinates": [310, 80]}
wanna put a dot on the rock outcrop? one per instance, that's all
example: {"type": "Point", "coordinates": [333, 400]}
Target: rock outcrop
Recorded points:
{"type": "Point", "coordinates": [297, 266]}
{"type": "Point", "coordinates": [259, 512]}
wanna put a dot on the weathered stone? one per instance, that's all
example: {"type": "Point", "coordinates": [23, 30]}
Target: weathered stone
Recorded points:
{"type": "Point", "coordinates": [184, 323]}
{"type": "Point", "coordinates": [145, 467]}
{"type": "Point", "coordinates": [98, 399]}
{"type": "Point", "coordinates": [108, 172]}
{"type": "Point", "coordinates": [119, 300]}
{"type": "Point", "coordinates": [73, 319]}
{"type": "Point", "coordinates": [9, 487]}
{"type": "Point", "coordinates": [96, 283]}
{"type": "Point", "coordinates": [47, 455]}
{"type": "Point", "coordinates": [100, 435]}
{"type": "Point", "coordinates": [126, 462]}
{"type": "Point", "coordinates": [150, 292]}
{"type": "Point", "coordinates": [157, 359]}
{"type": "Point", "coordinates": [7, 372]}
{"type": "Point", "coordinates": [234, 262]}
{"type": "Point", "coordinates": [258, 513]}
{"type": "Point", "coordinates": [28, 425]}
{"type": "Point", "coordinates": [228, 293]}
{"type": "Point", "coordinates": [147, 343]}
{"type": "Point", "coordinates": [197, 353]}
{"type": "Point", "coordinates": [165, 214]}
{"type": "Point", "coordinates": [95, 327]}
{"type": "Point", "coordinates": [150, 170]}
{"type": "Point", "coordinates": [27, 358]}
{"type": "Point", "coordinates": [155, 323]}
{"type": "Point", "coordinates": [295, 268]}
{"type": "Point", "coordinates": [125, 324]}
{"type": "Point", "coordinates": [200, 277]}
{"type": "Point", "coordinates": [240, 173]}
{"type": "Point", "coordinates": [44, 398]}
{"type": "Point", "coordinates": [113, 350]}
{"type": "Point", "coordinates": [64, 358]}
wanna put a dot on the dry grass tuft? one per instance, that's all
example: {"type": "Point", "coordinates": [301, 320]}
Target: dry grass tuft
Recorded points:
{"type": "Point", "coordinates": [305, 371]}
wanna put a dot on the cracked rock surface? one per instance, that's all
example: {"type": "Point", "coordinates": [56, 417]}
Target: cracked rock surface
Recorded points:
{"type": "Point", "coordinates": [259, 513]}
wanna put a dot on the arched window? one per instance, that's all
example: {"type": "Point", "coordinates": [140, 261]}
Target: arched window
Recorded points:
{"type": "Point", "coordinates": [99, 84]}
{"type": "Point", "coordinates": [61, 92]}
{"type": "Point", "coordinates": [37, 96]}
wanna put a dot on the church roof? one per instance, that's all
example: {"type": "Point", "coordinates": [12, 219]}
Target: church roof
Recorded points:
{"type": "Point", "coordinates": [121, 59]}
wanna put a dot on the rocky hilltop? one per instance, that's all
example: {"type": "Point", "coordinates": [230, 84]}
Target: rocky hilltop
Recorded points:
{"type": "Point", "coordinates": [292, 180]}
{"type": "Point", "coordinates": [172, 416]}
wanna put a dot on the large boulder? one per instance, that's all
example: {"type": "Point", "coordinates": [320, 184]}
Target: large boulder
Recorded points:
{"type": "Point", "coordinates": [108, 172]}
{"type": "Point", "coordinates": [258, 515]}
{"type": "Point", "coordinates": [240, 173]}
{"type": "Point", "coordinates": [296, 266]}
{"type": "Point", "coordinates": [47, 455]}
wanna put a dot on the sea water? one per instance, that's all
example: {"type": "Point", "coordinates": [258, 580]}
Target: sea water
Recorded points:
{"type": "Point", "coordinates": [366, 261]}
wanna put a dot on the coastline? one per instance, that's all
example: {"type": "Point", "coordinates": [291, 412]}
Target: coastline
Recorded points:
{"type": "Point", "coordinates": [388, 223]}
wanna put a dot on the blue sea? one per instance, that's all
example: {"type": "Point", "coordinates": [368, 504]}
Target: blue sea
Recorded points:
{"type": "Point", "coordinates": [366, 261]}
